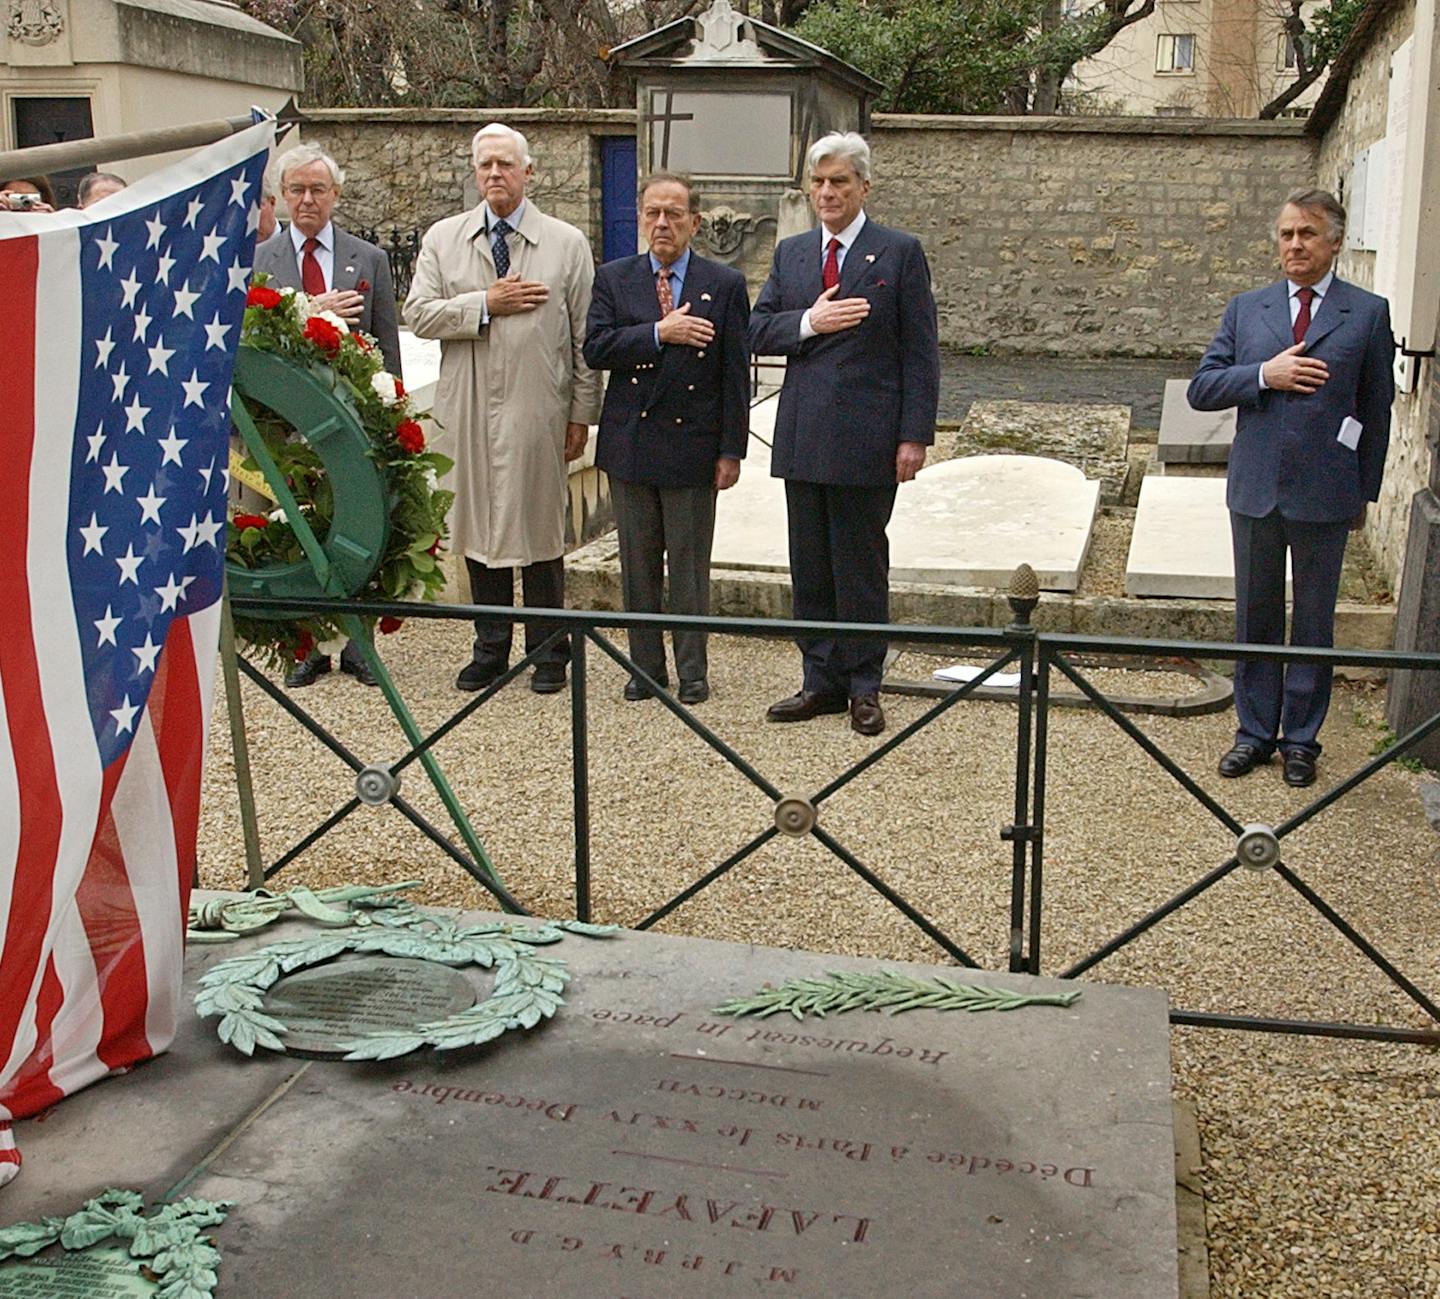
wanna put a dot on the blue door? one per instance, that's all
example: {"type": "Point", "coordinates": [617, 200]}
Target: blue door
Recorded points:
{"type": "Point", "coordinates": [617, 196]}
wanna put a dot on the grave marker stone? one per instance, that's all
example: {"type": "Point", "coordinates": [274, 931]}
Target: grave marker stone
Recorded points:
{"type": "Point", "coordinates": [1189, 436]}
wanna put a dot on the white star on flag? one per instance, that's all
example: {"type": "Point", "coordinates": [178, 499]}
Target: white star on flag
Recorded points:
{"type": "Point", "coordinates": [92, 534]}
{"type": "Point", "coordinates": [95, 441]}
{"type": "Point", "coordinates": [239, 277]}
{"type": "Point", "coordinates": [170, 594]}
{"type": "Point", "coordinates": [135, 415]}
{"type": "Point", "coordinates": [131, 287]}
{"type": "Point", "coordinates": [104, 346]}
{"type": "Point", "coordinates": [192, 212]}
{"type": "Point", "coordinates": [194, 386]}
{"type": "Point", "coordinates": [120, 378]}
{"type": "Point", "coordinates": [114, 474]}
{"type": "Point", "coordinates": [150, 506]}
{"type": "Point", "coordinates": [142, 325]}
{"type": "Point", "coordinates": [215, 333]}
{"type": "Point", "coordinates": [208, 529]}
{"type": "Point", "coordinates": [184, 301]}
{"type": "Point", "coordinates": [162, 269]}
{"type": "Point", "coordinates": [212, 248]}
{"type": "Point", "coordinates": [187, 534]}
{"type": "Point", "coordinates": [129, 565]}
{"type": "Point", "coordinates": [106, 627]}
{"type": "Point", "coordinates": [160, 358]}
{"type": "Point", "coordinates": [125, 715]}
{"type": "Point", "coordinates": [171, 446]}
{"type": "Point", "coordinates": [238, 188]}
{"type": "Point", "coordinates": [156, 227]}
{"type": "Point", "coordinates": [146, 654]}
{"type": "Point", "coordinates": [107, 247]}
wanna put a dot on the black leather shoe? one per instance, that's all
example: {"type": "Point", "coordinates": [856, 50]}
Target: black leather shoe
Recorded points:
{"type": "Point", "coordinates": [1243, 759]}
{"type": "Point", "coordinates": [866, 715]}
{"type": "Point", "coordinates": [1299, 768]}
{"type": "Point", "coordinates": [548, 679]}
{"type": "Point", "coordinates": [358, 668]}
{"type": "Point", "coordinates": [804, 705]}
{"type": "Point", "coordinates": [479, 673]}
{"type": "Point", "coordinates": [309, 672]}
{"type": "Point", "coordinates": [694, 692]}
{"type": "Point", "coordinates": [636, 690]}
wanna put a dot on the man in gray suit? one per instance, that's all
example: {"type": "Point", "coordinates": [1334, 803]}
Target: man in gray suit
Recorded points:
{"type": "Point", "coordinates": [1308, 364]}
{"type": "Point", "coordinates": [339, 273]}
{"type": "Point", "coordinates": [344, 274]}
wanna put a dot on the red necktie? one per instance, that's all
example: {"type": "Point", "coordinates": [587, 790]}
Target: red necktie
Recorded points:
{"type": "Point", "coordinates": [830, 276]}
{"type": "Point", "coordinates": [662, 290]}
{"type": "Point", "coordinates": [312, 278]}
{"type": "Point", "coordinates": [1302, 317]}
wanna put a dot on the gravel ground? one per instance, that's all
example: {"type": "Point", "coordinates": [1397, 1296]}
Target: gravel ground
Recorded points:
{"type": "Point", "coordinates": [1320, 1174]}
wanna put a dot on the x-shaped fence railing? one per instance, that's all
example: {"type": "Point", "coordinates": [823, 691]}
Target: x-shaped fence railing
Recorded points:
{"type": "Point", "coordinates": [1038, 657]}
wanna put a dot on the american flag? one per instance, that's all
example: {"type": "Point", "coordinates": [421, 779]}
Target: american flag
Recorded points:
{"type": "Point", "coordinates": [118, 331]}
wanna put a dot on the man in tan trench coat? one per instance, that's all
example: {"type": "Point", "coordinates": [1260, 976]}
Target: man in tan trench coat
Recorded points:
{"type": "Point", "coordinates": [505, 289]}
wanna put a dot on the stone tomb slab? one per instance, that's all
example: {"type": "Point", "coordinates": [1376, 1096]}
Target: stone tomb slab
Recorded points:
{"type": "Point", "coordinates": [965, 522]}
{"type": "Point", "coordinates": [1189, 436]}
{"type": "Point", "coordinates": [1093, 438]}
{"type": "Point", "coordinates": [640, 1146]}
{"type": "Point", "coordinates": [1180, 545]}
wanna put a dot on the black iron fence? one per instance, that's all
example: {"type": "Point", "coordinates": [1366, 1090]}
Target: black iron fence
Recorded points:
{"type": "Point", "coordinates": [1040, 658]}
{"type": "Point", "coordinates": [402, 247]}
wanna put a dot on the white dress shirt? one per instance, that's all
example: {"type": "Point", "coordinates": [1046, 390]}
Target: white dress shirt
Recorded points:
{"type": "Point", "coordinates": [324, 254]}
{"type": "Point", "coordinates": [846, 237]}
{"type": "Point", "coordinates": [1321, 288]}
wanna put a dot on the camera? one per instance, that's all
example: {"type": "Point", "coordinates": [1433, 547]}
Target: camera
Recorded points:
{"type": "Point", "coordinates": [22, 202]}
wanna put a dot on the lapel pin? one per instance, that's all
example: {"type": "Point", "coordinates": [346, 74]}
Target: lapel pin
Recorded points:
{"type": "Point", "coordinates": [349, 270]}
{"type": "Point", "coordinates": [704, 297]}
{"type": "Point", "coordinates": [869, 257]}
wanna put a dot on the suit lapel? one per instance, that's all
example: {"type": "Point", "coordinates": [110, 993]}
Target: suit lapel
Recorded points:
{"type": "Point", "coordinates": [1334, 311]}
{"type": "Point", "coordinates": [1275, 307]}
{"type": "Point", "coordinates": [867, 249]}
{"type": "Point", "coordinates": [811, 250]}
{"type": "Point", "coordinates": [696, 283]}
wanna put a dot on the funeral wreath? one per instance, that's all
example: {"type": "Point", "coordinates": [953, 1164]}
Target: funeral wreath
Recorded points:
{"type": "Point", "coordinates": [284, 323]}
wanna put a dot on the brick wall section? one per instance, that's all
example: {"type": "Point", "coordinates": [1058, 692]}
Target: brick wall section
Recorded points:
{"type": "Point", "coordinates": [1360, 124]}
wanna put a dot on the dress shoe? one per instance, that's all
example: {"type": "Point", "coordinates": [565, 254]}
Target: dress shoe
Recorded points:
{"type": "Point", "coordinates": [1299, 768]}
{"type": "Point", "coordinates": [548, 678]}
{"type": "Point", "coordinates": [694, 692]}
{"type": "Point", "coordinates": [479, 673]}
{"type": "Point", "coordinates": [357, 667]}
{"type": "Point", "coordinates": [866, 715]}
{"type": "Point", "coordinates": [309, 672]}
{"type": "Point", "coordinates": [804, 705]}
{"type": "Point", "coordinates": [636, 690]}
{"type": "Point", "coordinates": [1243, 759]}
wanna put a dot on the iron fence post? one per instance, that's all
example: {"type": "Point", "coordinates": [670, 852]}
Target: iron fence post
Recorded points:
{"type": "Point", "coordinates": [580, 772]}
{"type": "Point", "coordinates": [1037, 810]}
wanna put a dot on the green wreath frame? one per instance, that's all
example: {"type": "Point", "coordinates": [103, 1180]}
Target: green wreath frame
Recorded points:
{"type": "Point", "coordinates": [527, 985]}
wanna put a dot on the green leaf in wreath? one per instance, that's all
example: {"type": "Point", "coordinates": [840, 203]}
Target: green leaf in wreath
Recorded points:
{"type": "Point", "coordinates": [587, 929]}
{"type": "Point", "coordinates": [26, 1238]}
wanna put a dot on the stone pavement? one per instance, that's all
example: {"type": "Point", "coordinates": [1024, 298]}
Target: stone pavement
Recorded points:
{"type": "Point", "coordinates": [1105, 381]}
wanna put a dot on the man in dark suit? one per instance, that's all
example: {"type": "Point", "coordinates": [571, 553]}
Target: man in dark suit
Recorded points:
{"type": "Point", "coordinates": [339, 273]}
{"type": "Point", "coordinates": [670, 326]}
{"type": "Point", "coordinates": [1308, 364]}
{"type": "Point", "coordinates": [850, 308]}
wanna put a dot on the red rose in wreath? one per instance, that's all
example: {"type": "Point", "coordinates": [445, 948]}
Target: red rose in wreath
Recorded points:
{"type": "Point", "coordinates": [260, 296]}
{"type": "Point", "coordinates": [389, 624]}
{"type": "Point", "coordinates": [399, 387]}
{"type": "Point", "coordinates": [323, 334]}
{"type": "Point", "coordinates": [302, 650]}
{"type": "Point", "coordinates": [410, 436]}
{"type": "Point", "coordinates": [243, 521]}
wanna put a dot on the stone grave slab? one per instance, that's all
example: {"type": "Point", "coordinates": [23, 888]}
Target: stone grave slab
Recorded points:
{"type": "Point", "coordinates": [1093, 438]}
{"type": "Point", "coordinates": [966, 522]}
{"type": "Point", "coordinates": [1180, 545]}
{"type": "Point", "coordinates": [638, 1145]}
{"type": "Point", "coordinates": [420, 361]}
{"type": "Point", "coordinates": [1189, 436]}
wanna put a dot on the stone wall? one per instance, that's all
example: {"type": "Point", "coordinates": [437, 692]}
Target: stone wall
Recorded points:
{"type": "Point", "coordinates": [1067, 236]}
{"type": "Point", "coordinates": [1360, 124]}
{"type": "Point", "coordinates": [1073, 236]}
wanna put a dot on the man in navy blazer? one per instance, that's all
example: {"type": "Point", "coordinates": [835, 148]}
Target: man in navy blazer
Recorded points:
{"type": "Point", "coordinates": [669, 325]}
{"type": "Point", "coordinates": [1308, 364]}
{"type": "Point", "coordinates": [849, 306]}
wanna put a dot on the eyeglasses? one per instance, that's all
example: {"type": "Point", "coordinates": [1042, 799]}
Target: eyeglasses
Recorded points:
{"type": "Point", "coordinates": [299, 191]}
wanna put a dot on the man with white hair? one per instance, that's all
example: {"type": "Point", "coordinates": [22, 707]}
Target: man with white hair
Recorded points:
{"type": "Point", "coordinates": [341, 273]}
{"type": "Point", "coordinates": [850, 308]}
{"type": "Point", "coordinates": [97, 185]}
{"type": "Point", "coordinates": [505, 289]}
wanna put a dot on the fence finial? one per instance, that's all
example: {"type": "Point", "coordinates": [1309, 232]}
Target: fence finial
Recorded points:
{"type": "Point", "coordinates": [1024, 594]}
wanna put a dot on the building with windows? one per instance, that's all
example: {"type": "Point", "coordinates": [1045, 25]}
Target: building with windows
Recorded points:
{"type": "Point", "coordinates": [1193, 58]}
{"type": "Point", "coordinates": [73, 69]}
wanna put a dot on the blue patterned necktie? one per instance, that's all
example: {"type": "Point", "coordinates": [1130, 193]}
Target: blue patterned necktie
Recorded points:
{"type": "Point", "coordinates": [500, 248]}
